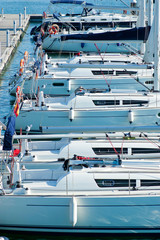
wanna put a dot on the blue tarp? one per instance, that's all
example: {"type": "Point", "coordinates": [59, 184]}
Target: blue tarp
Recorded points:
{"type": "Point", "coordinates": [140, 33]}
{"type": "Point", "coordinates": [7, 145]}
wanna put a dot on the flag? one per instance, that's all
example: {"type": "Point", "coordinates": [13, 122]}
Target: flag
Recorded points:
{"type": "Point", "coordinates": [16, 109]}
{"type": "Point", "coordinates": [9, 132]}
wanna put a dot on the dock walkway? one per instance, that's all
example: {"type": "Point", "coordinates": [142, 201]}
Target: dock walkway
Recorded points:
{"type": "Point", "coordinates": [12, 27]}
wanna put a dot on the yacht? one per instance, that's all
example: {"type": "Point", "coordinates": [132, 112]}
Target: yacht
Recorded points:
{"type": "Point", "coordinates": [82, 196]}
{"type": "Point", "coordinates": [88, 110]}
{"type": "Point", "coordinates": [83, 15]}
{"type": "Point", "coordinates": [61, 77]}
{"type": "Point", "coordinates": [105, 40]}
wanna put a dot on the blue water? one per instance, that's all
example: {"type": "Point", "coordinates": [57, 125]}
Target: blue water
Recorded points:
{"type": "Point", "coordinates": [38, 6]}
{"type": "Point", "coordinates": [35, 6]}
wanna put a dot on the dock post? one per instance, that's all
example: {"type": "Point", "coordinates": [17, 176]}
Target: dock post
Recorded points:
{"type": "Point", "coordinates": [2, 12]}
{"type": "Point", "coordinates": [20, 19]}
{"type": "Point", "coordinates": [14, 27]}
{"type": "Point", "coordinates": [8, 39]}
{"type": "Point", "coordinates": [24, 13]}
{"type": "Point", "coordinates": [0, 53]}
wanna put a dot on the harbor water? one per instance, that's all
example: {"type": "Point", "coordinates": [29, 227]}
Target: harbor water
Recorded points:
{"type": "Point", "coordinates": [6, 101]}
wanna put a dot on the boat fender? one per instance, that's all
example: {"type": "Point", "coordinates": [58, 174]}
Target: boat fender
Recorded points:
{"type": "Point", "coordinates": [45, 57]}
{"type": "Point", "coordinates": [4, 238]}
{"type": "Point", "coordinates": [82, 45]}
{"type": "Point", "coordinates": [73, 211]}
{"type": "Point", "coordinates": [130, 116]}
{"type": "Point", "coordinates": [69, 85]}
{"type": "Point", "coordinates": [41, 98]}
{"type": "Point", "coordinates": [21, 67]}
{"type": "Point", "coordinates": [44, 15]}
{"type": "Point", "coordinates": [26, 56]}
{"type": "Point", "coordinates": [18, 94]}
{"type": "Point", "coordinates": [71, 114]}
{"type": "Point", "coordinates": [22, 63]}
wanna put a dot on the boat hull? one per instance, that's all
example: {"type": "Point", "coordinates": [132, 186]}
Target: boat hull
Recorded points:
{"type": "Point", "coordinates": [59, 121]}
{"type": "Point", "coordinates": [93, 214]}
{"type": "Point", "coordinates": [62, 86]}
{"type": "Point", "coordinates": [55, 44]}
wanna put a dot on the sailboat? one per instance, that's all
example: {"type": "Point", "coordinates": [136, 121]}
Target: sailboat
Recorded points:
{"type": "Point", "coordinates": [82, 196]}
{"type": "Point", "coordinates": [90, 16]}
{"type": "Point", "coordinates": [107, 40]}
{"type": "Point", "coordinates": [64, 79]}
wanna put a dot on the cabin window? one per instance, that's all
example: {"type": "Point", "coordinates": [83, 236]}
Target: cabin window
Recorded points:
{"type": "Point", "coordinates": [103, 19]}
{"type": "Point", "coordinates": [125, 72]}
{"type": "Point", "coordinates": [145, 150]}
{"type": "Point", "coordinates": [118, 61]}
{"type": "Point", "coordinates": [109, 151]}
{"type": "Point", "coordinates": [115, 183]}
{"type": "Point", "coordinates": [148, 183]}
{"type": "Point", "coordinates": [102, 72]}
{"type": "Point", "coordinates": [149, 82]}
{"type": "Point", "coordinates": [58, 84]}
{"type": "Point", "coordinates": [129, 102]}
{"type": "Point", "coordinates": [106, 102]}
{"type": "Point", "coordinates": [93, 19]}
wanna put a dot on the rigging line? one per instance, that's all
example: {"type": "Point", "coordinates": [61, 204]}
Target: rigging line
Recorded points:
{"type": "Point", "coordinates": [124, 3]}
{"type": "Point", "coordinates": [100, 68]}
{"type": "Point", "coordinates": [131, 49]}
{"type": "Point", "coordinates": [137, 80]}
{"type": "Point", "coordinates": [51, 43]}
{"type": "Point", "coordinates": [112, 144]}
{"type": "Point", "coordinates": [99, 52]}
{"type": "Point", "coordinates": [147, 139]}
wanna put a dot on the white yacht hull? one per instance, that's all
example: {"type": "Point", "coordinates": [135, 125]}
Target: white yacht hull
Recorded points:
{"type": "Point", "coordinates": [65, 86]}
{"type": "Point", "coordinates": [55, 44]}
{"type": "Point", "coordinates": [90, 214]}
{"type": "Point", "coordinates": [61, 121]}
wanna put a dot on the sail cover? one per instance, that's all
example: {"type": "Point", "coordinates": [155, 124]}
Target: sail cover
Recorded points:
{"type": "Point", "coordinates": [140, 33]}
{"type": "Point", "coordinates": [7, 145]}
{"type": "Point", "coordinates": [71, 2]}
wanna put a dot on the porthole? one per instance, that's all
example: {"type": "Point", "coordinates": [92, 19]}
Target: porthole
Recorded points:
{"type": "Point", "coordinates": [58, 84]}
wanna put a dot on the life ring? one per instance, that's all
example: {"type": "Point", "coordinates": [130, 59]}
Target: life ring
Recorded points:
{"type": "Point", "coordinates": [44, 15]}
{"type": "Point", "coordinates": [53, 29]}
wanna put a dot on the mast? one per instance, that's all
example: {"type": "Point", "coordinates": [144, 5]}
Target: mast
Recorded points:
{"type": "Point", "coordinates": [157, 46]}
{"type": "Point", "coordinates": [150, 48]}
{"type": "Point", "coordinates": [150, 12]}
{"type": "Point", "coordinates": [141, 20]}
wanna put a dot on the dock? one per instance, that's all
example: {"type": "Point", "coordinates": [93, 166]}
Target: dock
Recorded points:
{"type": "Point", "coordinates": [12, 28]}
